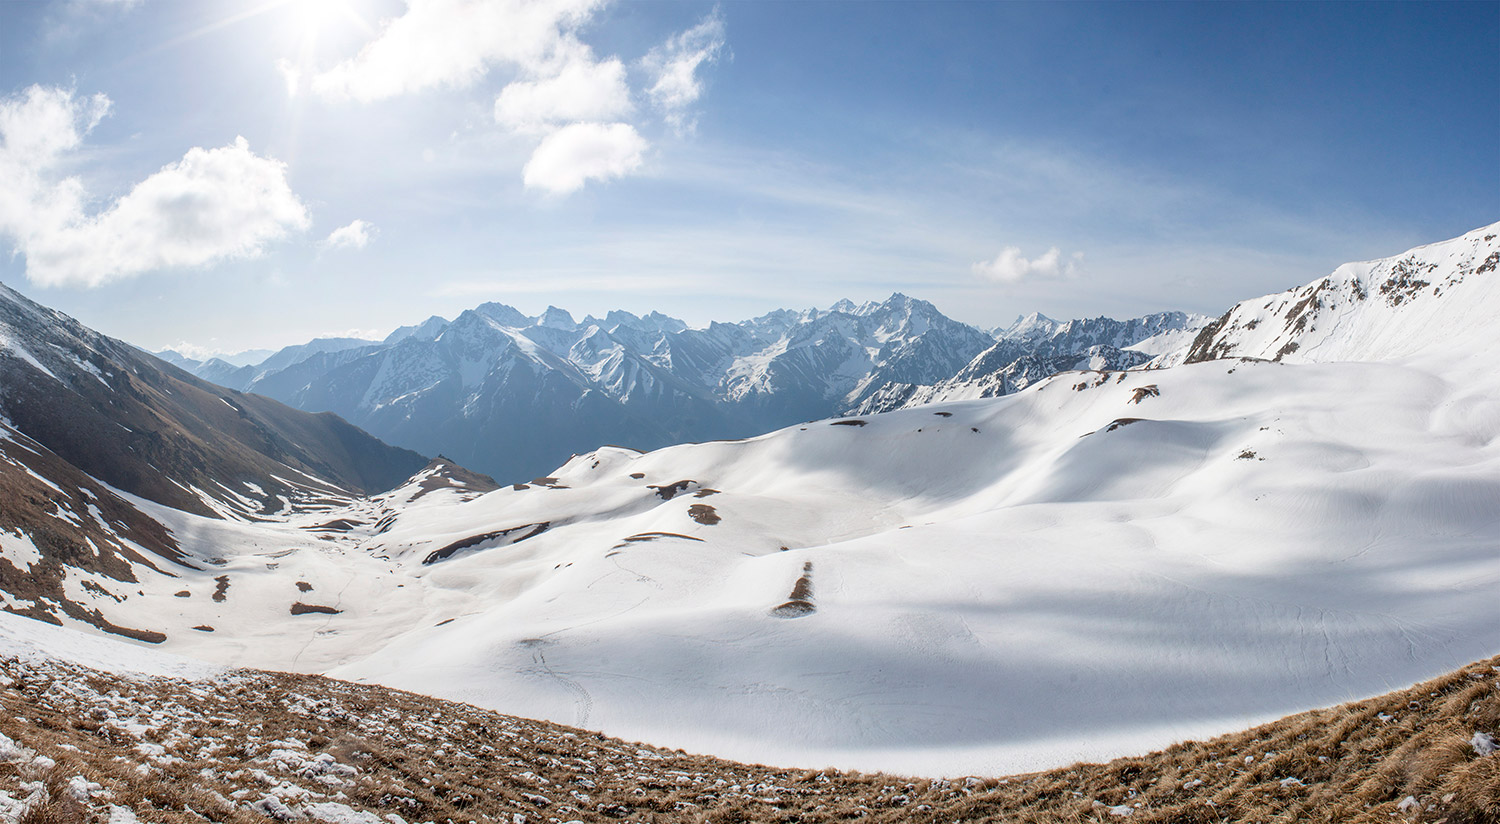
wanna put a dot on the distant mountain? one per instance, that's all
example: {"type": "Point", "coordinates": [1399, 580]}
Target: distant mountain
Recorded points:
{"type": "Point", "coordinates": [514, 395]}
{"type": "Point", "coordinates": [1032, 327]}
{"type": "Point", "coordinates": [248, 357]}
{"type": "Point", "coordinates": [238, 372]}
{"type": "Point", "coordinates": [1036, 347]}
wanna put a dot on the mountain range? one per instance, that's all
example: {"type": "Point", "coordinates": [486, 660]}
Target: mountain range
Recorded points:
{"type": "Point", "coordinates": [514, 395]}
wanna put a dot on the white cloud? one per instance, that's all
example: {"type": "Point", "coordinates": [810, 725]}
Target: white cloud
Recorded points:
{"type": "Point", "coordinates": [453, 43]}
{"type": "Point", "coordinates": [356, 235]}
{"type": "Point", "coordinates": [211, 205]}
{"type": "Point", "coordinates": [358, 333]}
{"type": "Point", "coordinates": [576, 105]}
{"type": "Point", "coordinates": [1010, 267]}
{"type": "Point", "coordinates": [188, 349]}
{"type": "Point", "coordinates": [583, 90]}
{"type": "Point", "coordinates": [575, 154]}
{"type": "Point", "coordinates": [674, 65]}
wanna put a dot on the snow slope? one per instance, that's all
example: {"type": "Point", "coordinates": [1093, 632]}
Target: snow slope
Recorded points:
{"type": "Point", "coordinates": [1265, 539]}
{"type": "Point", "coordinates": [1437, 300]}
{"type": "Point", "coordinates": [30, 640]}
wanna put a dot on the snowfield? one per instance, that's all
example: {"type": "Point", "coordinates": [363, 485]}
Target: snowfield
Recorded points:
{"type": "Point", "coordinates": [1265, 538]}
{"type": "Point", "coordinates": [1101, 564]}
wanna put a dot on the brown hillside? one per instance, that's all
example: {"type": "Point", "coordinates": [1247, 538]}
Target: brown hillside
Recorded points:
{"type": "Point", "coordinates": [149, 428]}
{"type": "Point", "coordinates": [250, 745]}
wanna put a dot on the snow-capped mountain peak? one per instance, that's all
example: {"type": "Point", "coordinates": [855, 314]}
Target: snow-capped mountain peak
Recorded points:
{"type": "Point", "coordinates": [512, 395]}
{"type": "Point", "coordinates": [555, 318]}
{"type": "Point", "coordinates": [503, 314]}
{"type": "Point", "coordinates": [1029, 327]}
{"type": "Point", "coordinates": [426, 330]}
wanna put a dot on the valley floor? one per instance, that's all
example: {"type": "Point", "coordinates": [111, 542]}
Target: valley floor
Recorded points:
{"type": "Point", "coordinates": [88, 745]}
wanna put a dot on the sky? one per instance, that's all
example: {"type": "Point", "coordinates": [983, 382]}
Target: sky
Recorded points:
{"type": "Point", "coordinates": [221, 175]}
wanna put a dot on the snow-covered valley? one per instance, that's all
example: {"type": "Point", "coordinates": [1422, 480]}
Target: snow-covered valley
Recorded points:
{"type": "Point", "coordinates": [998, 585]}
{"type": "Point", "coordinates": [1102, 563]}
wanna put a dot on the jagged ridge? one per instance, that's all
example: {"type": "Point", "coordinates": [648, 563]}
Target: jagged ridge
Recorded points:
{"type": "Point", "coordinates": [515, 395]}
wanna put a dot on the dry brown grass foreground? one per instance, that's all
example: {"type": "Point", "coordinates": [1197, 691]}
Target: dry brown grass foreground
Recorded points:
{"type": "Point", "coordinates": [85, 746]}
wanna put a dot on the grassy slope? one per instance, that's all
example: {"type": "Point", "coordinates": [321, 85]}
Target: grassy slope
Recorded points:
{"type": "Point", "coordinates": [224, 746]}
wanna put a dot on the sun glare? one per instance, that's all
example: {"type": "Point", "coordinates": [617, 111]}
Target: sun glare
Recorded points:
{"type": "Point", "coordinates": [311, 17]}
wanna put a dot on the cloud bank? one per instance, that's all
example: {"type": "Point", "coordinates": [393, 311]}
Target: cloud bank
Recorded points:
{"type": "Point", "coordinates": [212, 205]}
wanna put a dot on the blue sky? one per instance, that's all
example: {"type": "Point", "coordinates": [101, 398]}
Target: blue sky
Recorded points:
{"type": "Point", "coordinates": [230, 175]}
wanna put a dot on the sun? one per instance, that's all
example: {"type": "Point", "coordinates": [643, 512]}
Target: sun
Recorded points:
{"type": "Point", "coordinates": [306, 23]}
{"type": "Point", "coordinates": [310, 17]}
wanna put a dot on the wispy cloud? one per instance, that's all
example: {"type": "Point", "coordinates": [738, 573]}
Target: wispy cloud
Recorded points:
{"type": "Point", "coordinates": [358, 333]}
{"type": "Point", "coordinates": [791, 225]}
{"type": "Point", "coordinates": [211, 205]}
{"type": "Point", "coordinates": [674, 68]}
{"type": "Point", "coordinates": [78, 16]}
{"type": "Point", "coordinates": [356, 235]}
{"type": "Point", "coordinates": [557, 283]}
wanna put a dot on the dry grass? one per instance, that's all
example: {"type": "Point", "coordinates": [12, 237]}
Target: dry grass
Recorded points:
{"type": "Point", "coordinates": [51, 802]}
{"type": "Point", "coordinates": [252, 744]}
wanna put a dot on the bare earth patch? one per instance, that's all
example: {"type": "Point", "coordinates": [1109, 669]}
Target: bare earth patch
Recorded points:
{"type": "Point", "coordinates": [669, 491]}
{"type": "Point", "coordinates": [300, 608]}
{"type": "Point", "coordinates": [511, 536]}
{"type": "Point", "coordinates": [642, 537]}
{"type": "Point", "coordinates": [800, 601]}
{"type": "Point", "coordinates": [704, 514]}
